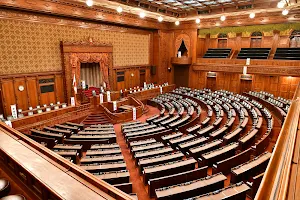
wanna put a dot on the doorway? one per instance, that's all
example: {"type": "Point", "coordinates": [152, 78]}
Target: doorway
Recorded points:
{"type": "Point", "coordinates": [211, 83]}
{"type": "Point", "coordinates": [245, 86]}
{"type": "Point", "coordinates": [91, 74]}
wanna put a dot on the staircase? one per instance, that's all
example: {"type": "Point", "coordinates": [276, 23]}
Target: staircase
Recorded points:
{"type": "Point", "coordinates": [96, 118]}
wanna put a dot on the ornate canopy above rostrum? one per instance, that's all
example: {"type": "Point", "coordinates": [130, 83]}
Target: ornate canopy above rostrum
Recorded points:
{"type": "Point", "coordinates": [75, 53]}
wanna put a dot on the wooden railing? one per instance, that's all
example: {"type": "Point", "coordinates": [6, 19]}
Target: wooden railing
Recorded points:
{"type": "Point", "coordinates": [281, 176]}
{"type": "Point", "coordinates": [46, 191]}
{"type": "Point", "coordinates": [126, 115]}
{"type": "Point", "coordinates": [51, 118]}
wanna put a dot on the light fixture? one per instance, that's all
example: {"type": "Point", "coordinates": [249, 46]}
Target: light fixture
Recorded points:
{"type": "Point", "coordinates": [252, 15]}
{"type": "Point", "coordinates": [198, 21]}
{"type": "Point", "coordinates": [285, 12]}
{"type": "Point", "coordinates": [280, 4]}
{"type": "Point", "coordinates": [142, 14]}
{"type": "Point", "coordinates": [223, 18]}
{"type": "Point", "coordinates": [89, 2]}
{"type": "Point", "coordinates": [119, 9]}
{"type": "Point", "coordinates": [177, 23]}
{"type": "Point", "coordinates": [160, 19]}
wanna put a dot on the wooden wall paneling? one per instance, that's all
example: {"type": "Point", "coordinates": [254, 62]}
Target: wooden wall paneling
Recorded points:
{"type": "Point", "coordinates": [267, 42]}
{"type": "Point", "coordinates": [8, 95]}
{"type": "Point", "coordinates": [245, 42]}
{"type": "Point", "coordinates": [213, 43]}
{"type": "Point", "coordinates": [294, 83]}
{"type": "Point", "coordinates": [220, 81]}
{"type": "Point", "coordinates": [59, 89]}
{"type": "Point", "coordinates": [33, 92]}
{"type": "Point", "coordinates": [1, 98]}
{"type": "Point", "coordinates": [154, 78]}
{"type": "Point", "coordinates": [201, 46]}
{"type": "Point", "coordinates": [284, 42]}
{"type": "Point", "coordinates": [21, 96]}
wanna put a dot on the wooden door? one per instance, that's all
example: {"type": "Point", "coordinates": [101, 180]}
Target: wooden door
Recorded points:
{"type": "Point", "coordinates": [222, 43]}
{"type": "Point", "coordinates": [255, 43]}
{"type": "Point", "coordinates": [245, 86]}
{"type": "Point", "coordinates": [142, 79]}
{"type": "Point", "coordinates": [211, 83]}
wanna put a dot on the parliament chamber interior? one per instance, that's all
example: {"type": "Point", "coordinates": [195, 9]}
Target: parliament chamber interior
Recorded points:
{"type": "Point", "coordinates": [149, 99]}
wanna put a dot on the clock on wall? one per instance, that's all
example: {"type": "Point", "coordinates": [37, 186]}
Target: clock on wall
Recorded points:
{"type": "Point", "coordinates": [21, 88]}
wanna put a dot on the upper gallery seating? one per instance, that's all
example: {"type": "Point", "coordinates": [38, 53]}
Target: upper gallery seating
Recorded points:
{"type": "Point", "coordinates": [217, 53]}
{"type": "Point", "coordinates": [254, 53]}
{"type": "Point", "coordinates": [287, 53]}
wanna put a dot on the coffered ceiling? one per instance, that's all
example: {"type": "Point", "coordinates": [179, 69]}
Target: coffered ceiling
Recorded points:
{"type": "Point", "coordinates": [185, 8]}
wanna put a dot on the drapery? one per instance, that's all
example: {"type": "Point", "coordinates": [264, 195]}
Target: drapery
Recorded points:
{"type": "Point", "coordinates": [91, 74]}
{"type": "Point", "coordinates": [101, 58]}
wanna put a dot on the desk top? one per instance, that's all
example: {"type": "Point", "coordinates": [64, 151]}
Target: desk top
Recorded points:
{"type": "Point", "coordinates": [252, 163]}
{"type": "Point", "coordinates": [48, 174]}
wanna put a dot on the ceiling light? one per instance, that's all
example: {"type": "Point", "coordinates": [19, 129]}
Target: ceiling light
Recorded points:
{"type": "Point", "coordinates": [252, 15]}
{"type": "Point", "coordinates": [160, 19]}
{"type": "Point", "coordinates": [142, 14]}
{"type": "Point", "coordinates": [119, 9]}
{"type": "Point", "coordinates": [198, 21]}
{"type": "Point", "coordinates": [285, 12]}
{"type": "Point", "coordinates": [89, 2]}
{"type": "Point", "coordinates": [177, 23]}
{"type": "Point", "coordinates": [280, 4]}
{"type": "Point", "coordinates": [223, 17]}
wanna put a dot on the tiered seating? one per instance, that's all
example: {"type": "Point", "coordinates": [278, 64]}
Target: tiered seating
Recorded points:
{"type": "Point", "coordinates": [167, 146]}
{"type": "Point", "coordinates": [287, 53]}
{"type": "Point", "coordinates": [235, 191]}
{"type": "Point", "coordinates": [217, 53]}
{"type": "Point", "coordinates": [254, 53]}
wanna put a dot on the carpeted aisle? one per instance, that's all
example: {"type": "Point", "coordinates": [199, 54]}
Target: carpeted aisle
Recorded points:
{"type": "Point", "coordinates": [137, 180]}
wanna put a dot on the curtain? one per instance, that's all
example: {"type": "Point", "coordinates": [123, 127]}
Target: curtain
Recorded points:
{"type": "Point", "coordinates": [91, 74]}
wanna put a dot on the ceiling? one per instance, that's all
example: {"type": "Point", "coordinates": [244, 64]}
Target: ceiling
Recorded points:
{"type": "Point", "coordinates": [189, 10]}
{"type": "Point", "coordinates": [186, 8]}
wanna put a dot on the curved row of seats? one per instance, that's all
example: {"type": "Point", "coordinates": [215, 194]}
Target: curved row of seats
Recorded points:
{"type": "Point", "coordinates": [229, 141]}
{"type": "Point", "coordinates": [94, 148]}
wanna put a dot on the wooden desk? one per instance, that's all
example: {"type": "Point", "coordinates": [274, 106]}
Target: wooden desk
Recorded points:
{"type": "Point", "coordinates": [224, 152]}
{"type": "Point", "coordinates": [57, 180]}
{"type": "Point", "coordinates": [197, 151]}
{"type": "Point", "coordinates": [105, 167]}
{"type": "Point", "coordinates": [176, 179]}
{"type": "Point", "coordinates": [251, 168]}
{"type": "Point", "coordinates": [117, 177]}
{"type": "Point", "coordinates": [190, 144]}
{"type": "Point", "coordinates": [232, 136]}
{"type": "Point", "coordinates": [225, 165]}
{"type": "Point", "coordinates": [147, 147]}
{"type": "Point", "coordinates": [102, 159]}
{"type": "Point", "coordinates": [168, 169]}
{"type": "Point", "coordinates": [159, 159]}
{"type": "Point", "coordinates": [237, 191]}
{"type": "Point", "coordinates": [196, 187]}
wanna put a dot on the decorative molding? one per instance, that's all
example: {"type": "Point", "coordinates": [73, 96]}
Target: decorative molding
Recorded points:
{"type": "Point", "coordinates": [44, 18]}
{"type": "Point", "coordinates": [253, 69]}
{"type": "Point", "coordinates": [77, 10]}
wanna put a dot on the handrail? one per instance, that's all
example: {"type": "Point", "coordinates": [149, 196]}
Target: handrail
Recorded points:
{"type": "Point", "coordinates": [275, 183]}
{"type": "Point", "coordinates": [112, 191]}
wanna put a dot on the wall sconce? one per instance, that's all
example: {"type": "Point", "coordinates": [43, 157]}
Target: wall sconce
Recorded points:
{"type": "Point", "coordinates": [169, 69]}
{"type": "Point", "coordinates": [132, 74]}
